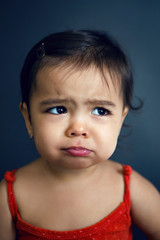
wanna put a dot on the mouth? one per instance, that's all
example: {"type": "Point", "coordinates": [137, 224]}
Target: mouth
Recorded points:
{"type": "Point", "coordinates": [77, 151]}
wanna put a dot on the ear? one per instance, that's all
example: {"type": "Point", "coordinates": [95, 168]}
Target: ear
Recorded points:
{"type": "Point", "coordinates": [124, 114]}
{"type": "Point", "coordinates": [24, 110]}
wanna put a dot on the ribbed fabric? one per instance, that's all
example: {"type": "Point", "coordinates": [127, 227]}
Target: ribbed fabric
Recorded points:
{"type": "Point", "coordinates": [115, 226]}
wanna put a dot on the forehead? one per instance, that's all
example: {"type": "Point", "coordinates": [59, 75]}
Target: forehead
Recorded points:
{"type": "Point", "coordinates": [89, 82]}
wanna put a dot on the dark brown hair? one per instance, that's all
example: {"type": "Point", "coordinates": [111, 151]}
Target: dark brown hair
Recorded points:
{"type": "Point", "coordinates": [82, 49]}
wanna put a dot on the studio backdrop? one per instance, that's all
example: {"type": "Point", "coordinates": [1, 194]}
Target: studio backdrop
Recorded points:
{"type": "Point", "coordinates": [135, 24]}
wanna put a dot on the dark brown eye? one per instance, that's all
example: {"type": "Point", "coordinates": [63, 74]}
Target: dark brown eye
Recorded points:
{"type": "Point", "coordinates": [57, 110]}
{"type": "Point", "coordinates": [100, 111]}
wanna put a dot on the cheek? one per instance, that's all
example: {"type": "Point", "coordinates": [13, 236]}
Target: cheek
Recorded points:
{"type": "Point", "coordinates": [46, 134]}
{"type": "Point", "coordinates": [110, 132]}
{"type": "Point", "coordinates": [110, 139]}
{"type": "Point", "coordinates": [106, 139]}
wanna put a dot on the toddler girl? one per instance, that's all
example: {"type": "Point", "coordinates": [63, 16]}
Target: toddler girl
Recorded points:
{"type": "Point", "coordinates": [77, 89]}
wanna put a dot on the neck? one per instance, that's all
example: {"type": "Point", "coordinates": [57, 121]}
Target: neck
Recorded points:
{"type": "Point", "coordinates": [70, 175]}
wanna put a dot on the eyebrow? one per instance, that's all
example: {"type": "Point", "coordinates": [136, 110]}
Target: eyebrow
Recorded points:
{"type": "Point", "coordinates": [102, 102]}
{"type": "Point", "coordinates": [62, 101]}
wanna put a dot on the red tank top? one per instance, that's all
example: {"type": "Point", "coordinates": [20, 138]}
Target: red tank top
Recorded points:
{"type": "Point", "coordinates": [115, 226]}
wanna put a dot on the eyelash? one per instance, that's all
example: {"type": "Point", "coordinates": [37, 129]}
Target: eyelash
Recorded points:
{"type": "Point", "coordinates": [100, 111]}
{"type": "Point", "coordinates": [60, 110]}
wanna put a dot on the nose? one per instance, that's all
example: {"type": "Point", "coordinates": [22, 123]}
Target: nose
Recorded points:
{"type": "Point", "coordinates": [77, 130]}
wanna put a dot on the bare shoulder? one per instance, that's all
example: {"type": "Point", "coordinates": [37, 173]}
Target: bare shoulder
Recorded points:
{"type": "Point", "coordinates": [145, 203]}
{"type": "Point", "coordinates": [29, 169]}
{"type": "Point", "coordinates": [138, 181]}
{"type": "Point", "coordinates": [115, 171]}
{"type": "Point", "coordinates": [141, 188]}
{"type": "Point", "coordinates": [7, 229]}
{"type": "Point", "coordinates": [116, 167]}
{"type": "Point", "coordinates": [25, 176]}
{"type": "Point", "coordinates": [24, 179]}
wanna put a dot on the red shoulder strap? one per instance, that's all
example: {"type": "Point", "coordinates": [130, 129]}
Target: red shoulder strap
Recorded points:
{"type": "Point", "coordinates": [127, 173]}
{"type": "Point", "coordinates": [10, 178]}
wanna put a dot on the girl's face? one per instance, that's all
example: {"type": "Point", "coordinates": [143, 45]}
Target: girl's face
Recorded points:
{"type": "Point", "coordinates": [75, 117]}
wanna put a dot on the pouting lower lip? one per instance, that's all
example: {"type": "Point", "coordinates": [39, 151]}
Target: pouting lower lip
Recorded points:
{"type": "Point", "coordinates": [77, 151]}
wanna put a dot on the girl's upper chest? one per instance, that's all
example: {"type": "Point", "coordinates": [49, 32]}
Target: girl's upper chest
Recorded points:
{"type": "Point", "coordinates": [68, 208]}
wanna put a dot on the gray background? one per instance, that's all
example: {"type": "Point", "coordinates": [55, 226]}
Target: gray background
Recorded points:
{"type": "Point", "coordinates": [136, 24]}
